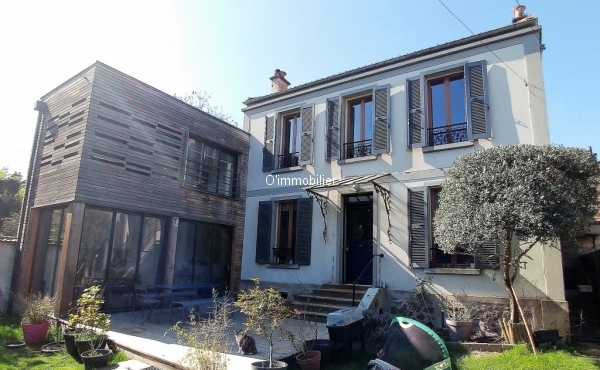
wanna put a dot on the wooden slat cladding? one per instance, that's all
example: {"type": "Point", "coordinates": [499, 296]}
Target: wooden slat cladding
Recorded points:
{"type": "Point", "coordinates": [57, 164]}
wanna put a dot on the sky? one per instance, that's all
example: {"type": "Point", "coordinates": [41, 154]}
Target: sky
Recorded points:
{"type": "Point", "coordinates": [230, 48]}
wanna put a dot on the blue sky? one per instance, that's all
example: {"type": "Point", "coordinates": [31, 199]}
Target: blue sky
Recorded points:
{"type": "Point", "coordinates": [230, 48]}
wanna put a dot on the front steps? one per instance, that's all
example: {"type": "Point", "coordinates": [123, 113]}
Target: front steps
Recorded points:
{"type": "Point", "coordinates": [328, 298]}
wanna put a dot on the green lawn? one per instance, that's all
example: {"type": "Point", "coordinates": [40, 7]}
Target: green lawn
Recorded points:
{"type": "Point", "coordinates": [30, 357]}
{"type": "Point", "coordinates": [519, 358]}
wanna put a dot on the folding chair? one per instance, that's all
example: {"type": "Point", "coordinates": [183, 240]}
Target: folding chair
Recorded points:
{"type": "Point", "coordinates": [148, 301]}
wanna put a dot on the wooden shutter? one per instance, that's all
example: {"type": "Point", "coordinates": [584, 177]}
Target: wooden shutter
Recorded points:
{"type": "Point", "coordinates": [303, 231]}
{"type": "Point", "coordinates": [489, 256]}
{"type": "Point", "coordinates": [263, 232]}
{"type": "Point", "coordinates": [269, 142]}
{"type": "Point", "coordinates": [306, 141]}
{"type": "Point", "coordinates": [333, 130]}
{"type": "Point", "coordinates": [415, 118]}
{"type": "Point", "coordinates": [417, 242]}
{"type": "Point", "coordinates": [381, 119]}
{"type": "Point", "coordinates": [478, 123]}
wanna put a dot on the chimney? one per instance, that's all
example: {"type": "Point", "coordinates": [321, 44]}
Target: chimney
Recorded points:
{"type": "Point", "coordinates": [278, 81]}
{"type": "Point", "coordinates": [519, 13]}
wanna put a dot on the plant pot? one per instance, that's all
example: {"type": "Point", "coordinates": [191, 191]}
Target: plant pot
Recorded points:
{"type": "Point", "coordinates": [96, 359]}
{"type": "Point", "coordinates": [69, 337]}
{"type": "Point", "coordinates": [88, 345]}
{"type": "Point", "coordinates": [261, 365]}
{"type": "Point", "coordinates": [324, 346]}
{"type": "Point", "coordinates": [35, 333]}
{"type": "Point", "coordinates": [459, 330]}
{"type": "Point", "coordinates": [53, 347]}
{"type": "Point", "coordinates": [311, 362]}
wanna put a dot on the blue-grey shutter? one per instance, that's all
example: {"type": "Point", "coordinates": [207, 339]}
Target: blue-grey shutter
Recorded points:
{"type": "Point", "coordinates": [488, 256]}
{"type": "Point", "coordinates": [333, 130]}
{"type": "Point", "coordinates": [263, 232]}
{"type": "Point", "coordinates": [415, 120]}
{"type": "Point", "coordinates": [478, 120]}
{"type": "Point", "coordinates": [306, 140]}
{"type": "Point", "coordinates": [381, 119]}
{"type": "Point", "coordinates": [303, 231]}
{"type": "Point", "coordinates": [269, 144]}
{"type": "Point", "coordinates": [417, 239]}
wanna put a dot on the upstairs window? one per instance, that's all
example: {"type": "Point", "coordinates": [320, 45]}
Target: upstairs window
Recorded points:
{"type": "Point", "coordinates": [358, 124]}
{"type": "Point", "coordinates": [210, 168]}
{"type": "Point", "coordinates": [291, 132]}
{"type": "Point", "coordinates": [448, 107]}
{"type": "Point", "coordinates": [447, 110]}
{"type": "Point", "coordinates": [359, 127]}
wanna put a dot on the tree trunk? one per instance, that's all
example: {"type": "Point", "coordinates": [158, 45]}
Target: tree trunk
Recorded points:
{"type": "Point", "coordinates": [506, 264]}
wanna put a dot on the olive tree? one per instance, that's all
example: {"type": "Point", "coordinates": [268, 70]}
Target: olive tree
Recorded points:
{"type": "Point", "coordinates": [520, 196]}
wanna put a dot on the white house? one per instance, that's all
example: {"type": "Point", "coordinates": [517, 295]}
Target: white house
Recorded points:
{"type": "Point", "coordinates": [349, 166]}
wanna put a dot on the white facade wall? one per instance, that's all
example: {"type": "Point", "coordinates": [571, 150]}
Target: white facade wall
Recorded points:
{"type": "Point", "coordinates": [517, 114]}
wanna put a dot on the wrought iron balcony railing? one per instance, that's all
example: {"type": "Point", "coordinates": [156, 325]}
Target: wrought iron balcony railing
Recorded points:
{"type": "Point", "coordinates": [287, 160]}
{"type": "Point", "coordinates": [447, 134]}
{"type": "Point", "coordinates": [358, 149]}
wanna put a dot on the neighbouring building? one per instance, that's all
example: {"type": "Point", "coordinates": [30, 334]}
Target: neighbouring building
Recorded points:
{"type": "Point", "coordinates": [349, 166]}
{"type": "Point", "coordinates": [128, 184]}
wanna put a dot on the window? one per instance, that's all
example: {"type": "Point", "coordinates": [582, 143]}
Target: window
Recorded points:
{"type": "Point", "coordinates": [358, 124]}
{"type": "Point", "coordinates": [284, 232]}
{"type": "Point", "coordinates": [291, 132]}
{"type": "Point", "coordinates": [210, 168]}
{"type": "Point", "coordinates": [448, 107]}
{"type": "Point", "coordinates": [447, 110]}
{"type": "Point", "coordinates": [359, 127]}
{"type": "Point", "coordinates": [288, 140]}
{"type": "Point", "coordinates": [440, 258]}
{"type": "Point", "coordinates": [285, 248]}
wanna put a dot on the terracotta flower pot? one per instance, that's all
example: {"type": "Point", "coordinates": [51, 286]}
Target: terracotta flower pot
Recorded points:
{"type": "Point", "coordinates": [311, 362]}
{"type": "Point", "coordinates": [35, 333]}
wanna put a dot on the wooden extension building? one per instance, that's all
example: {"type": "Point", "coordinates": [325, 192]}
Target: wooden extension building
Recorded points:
{"type": "Point", "coordinates": [126, 185]}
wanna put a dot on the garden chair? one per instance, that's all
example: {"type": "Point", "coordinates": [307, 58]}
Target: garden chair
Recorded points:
{"type": "Point", "coordinates": [148, 302]}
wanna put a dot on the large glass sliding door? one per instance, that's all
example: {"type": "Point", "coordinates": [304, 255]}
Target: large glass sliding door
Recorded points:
{"type": "Point", "coordinates": [118, 250]}
{"type": "Point", "coordinates": [203, 253]}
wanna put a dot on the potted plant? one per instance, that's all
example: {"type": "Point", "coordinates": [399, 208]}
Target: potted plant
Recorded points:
{"type": "Point", "coordinates": [458, 319]}
{"type": "Point", "coordinates": [35, 311]}
{"type": "Point", "coordinates": [92, 326]}
{"type": "Point", "coordinates": [265, 312]}
{"type": "Point", "coordinates": [308, 357]}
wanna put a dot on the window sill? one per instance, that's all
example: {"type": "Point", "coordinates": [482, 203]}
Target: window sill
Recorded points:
{"type": "Point", "coordinates": [462, 144]}
{"type": "Point", "coordinates": [282, 266]}
{"type": "Point", "coordinates": [287, 169]}
{"type": "Point", "coordinates": [453, 271]}
{"type": "Point", "coordinates": [358, 159]}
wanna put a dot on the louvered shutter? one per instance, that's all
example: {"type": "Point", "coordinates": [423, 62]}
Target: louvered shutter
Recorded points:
{"type": "Point", "coordinates": [269, 144]}
{"type": "Point", "coordinates": [417, 243]}
{"type": "Point", "coordinates": [381, 119]}
{"type": "Point", "coordinates": [306, 141]}
{"type": "Point", "coordinates": [303, 231]}
{"type": "Point", "coordinates": [333, 130]}
{"type": "Point", "coordinates": [488, 256]}
{"type": "Point", "coordinates": [263, 232]}
{"type": "Point", "coordinates": [478, 123]}
{"type": "Point", "coordinates": [415, 118]}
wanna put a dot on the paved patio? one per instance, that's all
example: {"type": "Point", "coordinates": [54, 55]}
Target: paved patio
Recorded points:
{"type": "Point", "coordinates": [156, 340]}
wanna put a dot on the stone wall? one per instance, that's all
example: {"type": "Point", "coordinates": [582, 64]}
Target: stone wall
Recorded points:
{"type": "Point", "coordinates": [8, 247]}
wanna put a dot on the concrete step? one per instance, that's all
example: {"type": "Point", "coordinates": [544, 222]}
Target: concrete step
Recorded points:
{"type": "Point", "coordinates": [325, 299]}
{"type": "Point", "coordinates": [359, 287]}
{"type": "Point", "coordinates": [336, 292]}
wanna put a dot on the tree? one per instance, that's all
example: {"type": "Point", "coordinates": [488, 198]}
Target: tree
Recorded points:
{"type": "Point", "coordinates": [521, 196]}
{"type": "Point", "coordinates": [12, 189]}
{"type": "Point", "coordinates": [201, 100]}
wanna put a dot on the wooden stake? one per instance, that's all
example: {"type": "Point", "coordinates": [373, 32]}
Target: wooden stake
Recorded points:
{"type": "Point", "coordinates": [529, 333]}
